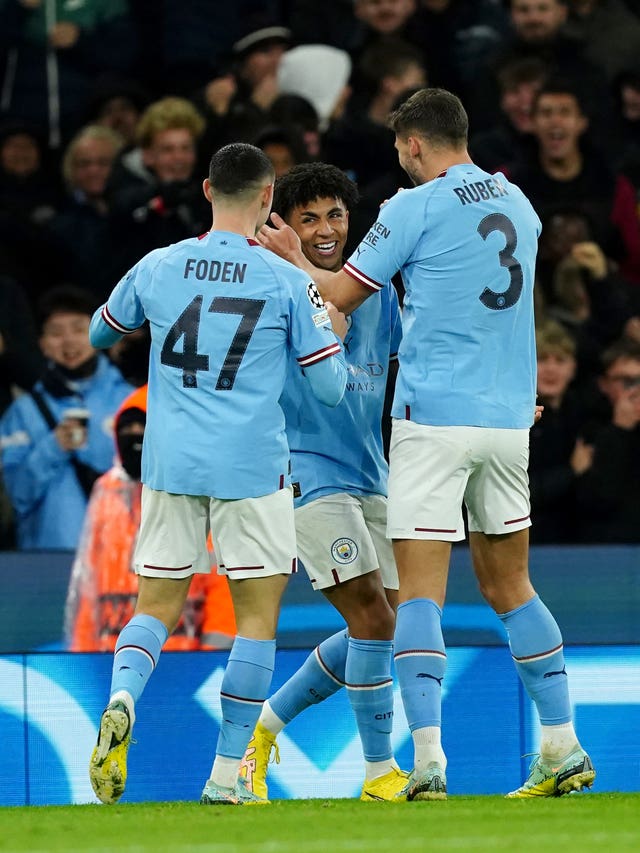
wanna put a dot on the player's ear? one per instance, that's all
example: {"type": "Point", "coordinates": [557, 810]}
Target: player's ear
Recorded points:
{"type": "Point", "coordinates": [206, 189]}
{"type": "Point", "coordinates": [267, 196]}
{"type": "Point", "coordinates": [414, 146]}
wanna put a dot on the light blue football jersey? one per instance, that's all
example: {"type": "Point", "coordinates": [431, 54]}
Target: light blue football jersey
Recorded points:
{"type": "Point", "coordinates": [225, 315]}
{"type": "Point", "coordinates": [465, 244]}
{"type": "Point", "coordinates": [340, 449]}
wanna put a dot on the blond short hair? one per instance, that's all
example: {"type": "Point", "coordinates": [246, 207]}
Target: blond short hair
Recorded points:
{"type": "Point", "coordinates": [168, 114]}
{"type": "Point", "coordinates": [553, 339]}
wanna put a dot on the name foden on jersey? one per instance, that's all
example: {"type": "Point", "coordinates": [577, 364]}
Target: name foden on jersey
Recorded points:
{"type": "Point", "coordinates": [480, 190]}
{"type": "Point", "coordinates": [207, 270]}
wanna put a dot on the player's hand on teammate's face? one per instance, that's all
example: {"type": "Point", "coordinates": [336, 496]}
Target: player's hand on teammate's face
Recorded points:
{"type": "Point", "coordinates": [282, 240]}
{"type": "Point", "coordinates": [338, 320]}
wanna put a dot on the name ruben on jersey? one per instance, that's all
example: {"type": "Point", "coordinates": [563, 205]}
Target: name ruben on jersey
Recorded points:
{"type": "Point", "coordinates": [480, 190]}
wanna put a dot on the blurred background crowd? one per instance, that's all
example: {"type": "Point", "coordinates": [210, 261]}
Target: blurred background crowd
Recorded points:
{"type": "Point", "coordinates": [111, 109]}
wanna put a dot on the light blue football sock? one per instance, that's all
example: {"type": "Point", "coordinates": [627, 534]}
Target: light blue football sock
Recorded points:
{"type": "Point", "coordinates": [320, 676]}
{"type": "Point", "coordinates": [370, 691]}
{"type": "Point", "coordinates": [420, 661]}
{"type": "Point", "coordinates": [136, 654]}
{"type": "Point", "coordinates": [536, 647]}
{"type": "Point", "coordinates": [245, 686]}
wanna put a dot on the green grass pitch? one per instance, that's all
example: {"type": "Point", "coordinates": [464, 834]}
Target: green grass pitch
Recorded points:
{"type": "Point", "coordinates": [608, 822]}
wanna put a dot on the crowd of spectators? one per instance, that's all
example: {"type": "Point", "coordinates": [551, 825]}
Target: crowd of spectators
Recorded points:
{"type": "Point", "coordinates": [110, 111]}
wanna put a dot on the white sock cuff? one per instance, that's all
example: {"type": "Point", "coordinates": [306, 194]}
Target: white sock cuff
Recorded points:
{"type": "Point", "coordinates": [270, 720]}
{"type": "Point", "coordinates": [225, 771]}
{"type": "Point", "coordinates": [375, 769]}
{"type": "Point", "coordinates": [127, 698]}
{"type": "Point", "coordinates": [428, 748]}
{"type": "Point", "coordinates": [427, 736]}
{"type": "Point", "coordinates": [556, 742]}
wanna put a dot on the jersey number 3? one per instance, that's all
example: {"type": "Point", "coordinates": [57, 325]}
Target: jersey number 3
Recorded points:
{"type": "Point", "coordinates": [187, 327]}
{"type": "Point", "coordinates": [508, 297]}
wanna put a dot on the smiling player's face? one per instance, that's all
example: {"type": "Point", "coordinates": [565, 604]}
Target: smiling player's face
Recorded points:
{"type": "Point", "coordinates": [322, 226]}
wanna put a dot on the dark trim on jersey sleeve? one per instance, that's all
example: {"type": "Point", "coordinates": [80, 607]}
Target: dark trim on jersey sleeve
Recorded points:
{"type": "Point", "coordinates": [361, 278]}
{"type": "Point", "coordinates": [111, 321]}
{"type": "Point", "coordinates": [319, 355]}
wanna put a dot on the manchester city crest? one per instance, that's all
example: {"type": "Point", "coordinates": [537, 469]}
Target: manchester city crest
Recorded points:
{"type": "Point", "coordinates": [344, 551]}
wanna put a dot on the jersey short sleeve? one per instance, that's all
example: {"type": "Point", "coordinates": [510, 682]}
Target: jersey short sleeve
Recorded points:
{"type": "Point", "coordinates": [390, 241]}
{"type": "Point", "coordinates": [123, 311]}
{"type": "Point", "coordinates": [312, 337]}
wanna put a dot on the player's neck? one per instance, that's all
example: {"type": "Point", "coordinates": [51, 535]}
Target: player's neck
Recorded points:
{"type": "Point", "coordinates": [243, 222]}
{"type": "Point", "coordinates": [443, 161]}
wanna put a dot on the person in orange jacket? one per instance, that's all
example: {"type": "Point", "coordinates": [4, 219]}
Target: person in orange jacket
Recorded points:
{"type": "Point", "coordinates": [103, 587]}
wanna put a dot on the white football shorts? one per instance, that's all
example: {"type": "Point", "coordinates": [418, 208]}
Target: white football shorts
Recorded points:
{"type": "Point", "coordinates": [433, 469]}
{"type": "Point", "coordinates": [252, 537]}
{"type": "Point", "coordinates": [343, 536]}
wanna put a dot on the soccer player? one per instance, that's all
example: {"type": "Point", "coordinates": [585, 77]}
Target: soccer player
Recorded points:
{"type": "Point", "coordinates": [465, 243]}
{"type": "Point", "coordinates": [225, 316]}
{"type": "Point", "coordinates": [339, 477]}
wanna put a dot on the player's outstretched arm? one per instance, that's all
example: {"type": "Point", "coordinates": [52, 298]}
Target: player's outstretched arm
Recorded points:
{"type": "Point", "coordinates": [336, 287]}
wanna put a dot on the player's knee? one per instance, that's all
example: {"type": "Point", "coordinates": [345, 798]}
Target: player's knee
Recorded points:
{"type": "Point", "coordinates": [506, 594]}
{"type": "Point", "coordinates": [496, 594]}
{"type": "Point", "coordinates": [373, 619]}
{"type": "Point", "coordinates": [164, 613]}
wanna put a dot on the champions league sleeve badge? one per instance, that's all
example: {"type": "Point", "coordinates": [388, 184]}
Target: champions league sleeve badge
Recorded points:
{"type": "Point", "coordinates": [314, 297]}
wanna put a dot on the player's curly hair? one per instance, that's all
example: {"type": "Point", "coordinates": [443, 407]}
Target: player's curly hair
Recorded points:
{"type": "Point", "coordinates": [309, 181]}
